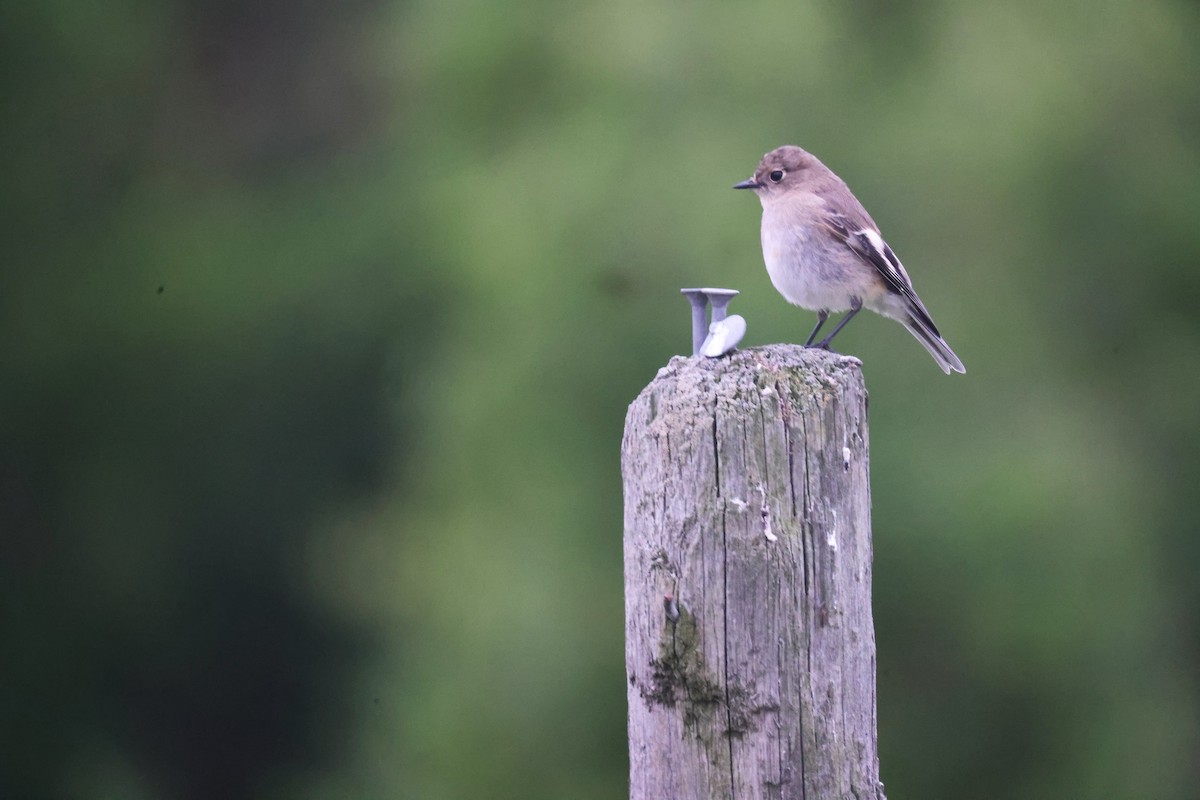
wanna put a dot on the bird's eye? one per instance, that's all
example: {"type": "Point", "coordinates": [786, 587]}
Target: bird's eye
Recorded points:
{"type": "Point", "coordinates": [776, 176]}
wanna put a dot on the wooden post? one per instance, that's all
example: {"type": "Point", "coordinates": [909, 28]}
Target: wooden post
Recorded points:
{"type": "Point", "coordinates": [750, 650]}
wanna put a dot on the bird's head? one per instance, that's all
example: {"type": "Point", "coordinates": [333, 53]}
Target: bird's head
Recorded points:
{"type": "Point", "coordinates": [781, 169]}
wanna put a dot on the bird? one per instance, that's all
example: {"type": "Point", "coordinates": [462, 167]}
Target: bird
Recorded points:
{"type": "Point", "coordinates": [824, 253]}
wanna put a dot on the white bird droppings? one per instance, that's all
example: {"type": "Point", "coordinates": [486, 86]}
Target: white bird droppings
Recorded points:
{"type": "Point", "coordinates": [766, 517]}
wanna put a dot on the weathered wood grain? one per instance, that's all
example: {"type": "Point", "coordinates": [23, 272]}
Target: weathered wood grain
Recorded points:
{"type": "Point", "coordinates": [747, 506]}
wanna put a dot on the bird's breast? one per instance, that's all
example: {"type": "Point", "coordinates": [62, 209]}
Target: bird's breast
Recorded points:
{"type": "Point", "coordinates": [805, 265]}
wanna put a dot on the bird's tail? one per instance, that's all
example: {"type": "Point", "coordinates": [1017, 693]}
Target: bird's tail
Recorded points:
{"type": "Point", "coordinates": [928, 335]}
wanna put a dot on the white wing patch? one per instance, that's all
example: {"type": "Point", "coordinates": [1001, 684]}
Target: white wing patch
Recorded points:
{"type": "Point", "coordinates": [871, 247]}
{"type": "Point", "coordinates": [882, 256]}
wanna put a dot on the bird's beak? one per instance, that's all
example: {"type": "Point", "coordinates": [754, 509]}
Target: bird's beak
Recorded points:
{"type": "Point", "coordinates": [749, 183]}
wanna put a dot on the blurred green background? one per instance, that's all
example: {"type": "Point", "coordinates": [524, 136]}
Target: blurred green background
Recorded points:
{"type": "Point", "coordinates": [318, 323]}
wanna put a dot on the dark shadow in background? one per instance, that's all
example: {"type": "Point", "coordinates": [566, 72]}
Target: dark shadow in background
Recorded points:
{"type": "Point", "coordinates": [155, 628]}
{"type": "Point", "coordinates": [159, 618]}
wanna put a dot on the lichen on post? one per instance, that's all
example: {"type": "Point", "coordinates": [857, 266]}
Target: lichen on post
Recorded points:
{"type": "Point", "coordinates": [750, 648]}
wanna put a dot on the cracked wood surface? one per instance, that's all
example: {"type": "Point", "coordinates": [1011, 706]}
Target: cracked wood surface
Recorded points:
{"type": "Point", "coordinates": [750, 649]}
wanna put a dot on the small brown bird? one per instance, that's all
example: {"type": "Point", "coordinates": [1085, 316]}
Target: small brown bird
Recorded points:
{"type": "Point", "coordinates": [824, 252]}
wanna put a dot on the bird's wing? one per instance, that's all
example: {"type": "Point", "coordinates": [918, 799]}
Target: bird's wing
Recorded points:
{"type": "Point", "coordinates": [868, 245]}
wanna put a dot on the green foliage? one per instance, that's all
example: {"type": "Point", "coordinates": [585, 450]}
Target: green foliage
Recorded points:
{"type": "Point", "coordinates": [318, 324]}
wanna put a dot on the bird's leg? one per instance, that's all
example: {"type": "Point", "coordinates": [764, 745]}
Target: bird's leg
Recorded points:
{"type": "Point", "coordinates": [821, 317]}
{"type": "Point", "coordinates": [855, 307]}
